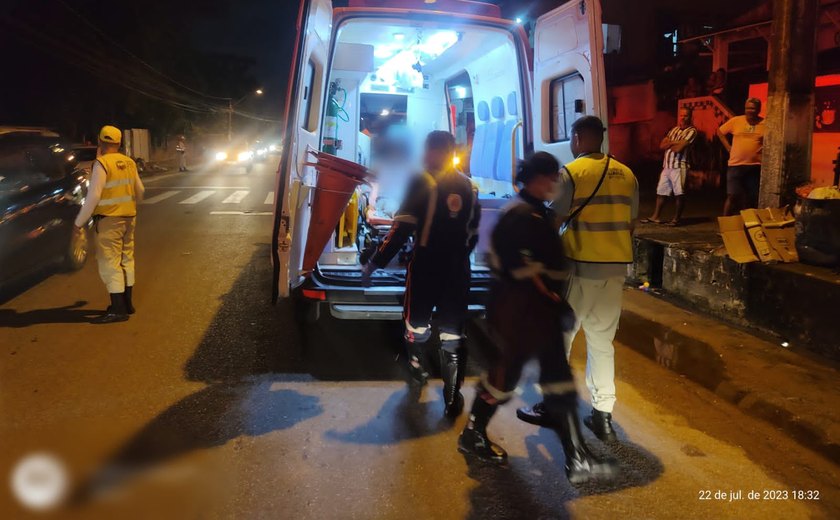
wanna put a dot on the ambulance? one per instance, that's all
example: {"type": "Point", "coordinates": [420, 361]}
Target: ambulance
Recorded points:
{"type": "Point", "coordinates": [369, 81]}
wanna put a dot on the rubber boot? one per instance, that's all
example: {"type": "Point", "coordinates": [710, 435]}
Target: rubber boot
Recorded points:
{"type": "Point", "coordinates": [452, 365]}
{"type": "Point", "coordinates": [115, 312]}
{"type": "Point", "coordinates": [129, 308]}
{"type": "Point", "coordinates": [416, 370]}
{"type": "Point", "coordinates": [473, 440]}
{"type": "Point", "coordinates": [581, 464]}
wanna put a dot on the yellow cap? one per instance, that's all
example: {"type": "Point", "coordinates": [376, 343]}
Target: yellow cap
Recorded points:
{"type": "Point", "coordinates": [110, 134]}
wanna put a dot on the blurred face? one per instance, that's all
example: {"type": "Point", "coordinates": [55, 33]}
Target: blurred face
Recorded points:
{"type": "Point", "coordinates": [684, 118]}
{"type": "Point", "coordinates": [574, 144]}
{"type": "Point", "coordinates": [543, 187]}
{"type": "Point", "coordinates": [436, 160]}
{"type": "Point", "coordinates": [751, 110]}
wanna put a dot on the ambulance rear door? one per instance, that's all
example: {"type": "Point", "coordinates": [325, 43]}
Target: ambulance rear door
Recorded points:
{"type": "Point", "coordinates": [568, 74]}
{"type": "Point", "coordinates": [302, 115]}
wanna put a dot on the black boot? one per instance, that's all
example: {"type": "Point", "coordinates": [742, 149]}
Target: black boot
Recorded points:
{"type": "Point", "coordinates": [115, 312]}
{"type": "Point", "coordinates": [534, 415]}
{"type": "Point", "coordinates": [452, 365]}
{"type": "Point", "coordinates": [581, 464]}
{"type": "Point", "coordinates": [601, 425]}
{"type": "Point", "coordinates": [473, 440]}
{"type": "Point", "coordinates": [129, 308]}
{"type": "Point", "coordinates": [416, 371]}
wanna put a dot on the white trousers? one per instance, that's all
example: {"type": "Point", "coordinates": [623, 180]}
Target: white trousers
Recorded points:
{"type": "Point", "coordinates": [597, 306]}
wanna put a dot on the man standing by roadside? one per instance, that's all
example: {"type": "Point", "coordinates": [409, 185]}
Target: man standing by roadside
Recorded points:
{"type": "Point", "coordinates": [743, 177]}
{"type": "Point", "coordinates": [675, 167]}
{"type": "Point", "coordinates": [181, 148]}
{"type": "Point", "coordinates": [601, 198]}
{"type": "Point", "coordinates": [115, 188]}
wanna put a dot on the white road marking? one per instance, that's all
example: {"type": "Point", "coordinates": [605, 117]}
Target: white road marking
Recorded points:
{"type": "Point", "coordinates": [198, 197]}
{"type": "Point", "coordinates": [235, 197]}
{"type": "Point", "coordinates": [258, 213]}
{"type": "Point", "coordinates": [269, 199]}
{"type": "Point", "coordinates": [163, 196]}
{"type": "Point", "coordinates": [199, 187]}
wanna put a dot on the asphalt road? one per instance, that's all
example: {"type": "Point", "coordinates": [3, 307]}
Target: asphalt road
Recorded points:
{"type": "Point", "coordinates": [212, 403]}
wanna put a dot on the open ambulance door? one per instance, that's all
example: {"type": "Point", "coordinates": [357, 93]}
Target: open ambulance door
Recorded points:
{"type": "Point", "coordinates": [302, 116]}
{"type": "Point", "coordinates": [568, 74]}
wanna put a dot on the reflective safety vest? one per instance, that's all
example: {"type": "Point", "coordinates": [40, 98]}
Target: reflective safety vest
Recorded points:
{"type": "Point", "coordinates": [118, 198]}
{"type": "Point", "coordinates": [601, 233]}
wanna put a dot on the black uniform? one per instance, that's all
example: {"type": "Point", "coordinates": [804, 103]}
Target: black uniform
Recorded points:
{"type": "Point", "coordinates": [526, 322]}
{"type": "Point", "coordinates": [442, 212]}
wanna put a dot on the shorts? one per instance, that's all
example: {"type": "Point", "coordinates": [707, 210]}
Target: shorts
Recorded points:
{"type": "Point", "coordinates": [744, 180]}
{"type": "Point", "coordinates": [672, 182]}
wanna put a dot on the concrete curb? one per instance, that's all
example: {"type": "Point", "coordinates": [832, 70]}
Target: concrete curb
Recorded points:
{"type": "Point", "coordinates": [792, 391]}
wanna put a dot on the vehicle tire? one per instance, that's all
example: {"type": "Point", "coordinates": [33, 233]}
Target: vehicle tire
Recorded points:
{"type": "Point", "coordinates": [77, 252]}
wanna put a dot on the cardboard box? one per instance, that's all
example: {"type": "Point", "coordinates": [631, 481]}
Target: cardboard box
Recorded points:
{"type": "Point", "coordinates": [780, 230]}
{"type": "Point", "coordinates": [762, 246]}
{"type": "Point", "coordinates": [736, 240]}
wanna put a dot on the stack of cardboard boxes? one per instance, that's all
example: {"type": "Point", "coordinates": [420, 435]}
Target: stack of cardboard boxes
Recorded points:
{"type": "Point", "coordinates": [766, 235]}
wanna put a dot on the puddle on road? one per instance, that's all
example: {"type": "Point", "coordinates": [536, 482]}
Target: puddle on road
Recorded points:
{"type": "Point", "coordinates": [685, 356]}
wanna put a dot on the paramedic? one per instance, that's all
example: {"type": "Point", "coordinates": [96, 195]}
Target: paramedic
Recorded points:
{"type": "Point", "coordinates": [441, 210]}
{"type": "Point", "coordinates": [528, 316]}
{"type": "Point", "coordinates": [115, 189]}
{"type": "Point", "coordinates": [599, 240]}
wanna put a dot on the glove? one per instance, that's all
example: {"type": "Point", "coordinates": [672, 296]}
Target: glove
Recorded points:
{"type": "Point", "coordinates": [367, 273]}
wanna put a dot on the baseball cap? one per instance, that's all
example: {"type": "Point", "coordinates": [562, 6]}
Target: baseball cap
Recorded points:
{"type": "Point", "coordinates": [110, 134]}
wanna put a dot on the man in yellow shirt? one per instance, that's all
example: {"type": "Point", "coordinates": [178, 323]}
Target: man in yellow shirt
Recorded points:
{"type": "Point", "coordinates": [115, 188]}
{"type": "Point", "coordinates": [743, 177]}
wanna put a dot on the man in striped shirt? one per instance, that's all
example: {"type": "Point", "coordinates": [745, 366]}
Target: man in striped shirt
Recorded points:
{"type": "Point", "coordinates": [675, 167]}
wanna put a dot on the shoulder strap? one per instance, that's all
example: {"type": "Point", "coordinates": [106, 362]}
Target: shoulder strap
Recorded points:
{"type": "Point", "coordinates": [580, 208]}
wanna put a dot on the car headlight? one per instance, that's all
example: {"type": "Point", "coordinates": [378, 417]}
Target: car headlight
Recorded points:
{"type": "Point", "coordinates": [244, 156]}
{"type": "Point", "coordinates": [272, 148]}
{"type": "Point", "coordinates": [220, 156]}
{"type": "Point", "coordinates": [261, 151]}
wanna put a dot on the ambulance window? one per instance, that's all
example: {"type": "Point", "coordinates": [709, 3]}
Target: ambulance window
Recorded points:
{"type": "Point", "coordinates": [308, 85]}
{"type": "Point", "coordinates": [567, 95]}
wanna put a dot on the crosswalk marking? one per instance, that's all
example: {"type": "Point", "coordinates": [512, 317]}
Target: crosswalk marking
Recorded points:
{"type": "Point", "coordinates": [198, 197]}
{"type": "Point", "coordinates": [163, 196]}
{"type": "Point", "coordinates": [258, 213]}
{"type": "Point", "coordinates": [235, 197]}
{"type": "Point", "coordinates": [269, 199]}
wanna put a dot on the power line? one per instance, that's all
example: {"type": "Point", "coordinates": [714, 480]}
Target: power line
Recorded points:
{"type": "Point", "coordinates": [124, 49]}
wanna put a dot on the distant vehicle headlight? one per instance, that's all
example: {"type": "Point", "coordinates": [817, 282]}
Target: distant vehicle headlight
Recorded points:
{"type": "Point", "coordinates": [245, 156]}
{"type": "Point", "coordinates": [262, 151]}
{"type": "Point", "coordinates": [220, 156]}
{"type": "Point", "coordinates": [272, 148]}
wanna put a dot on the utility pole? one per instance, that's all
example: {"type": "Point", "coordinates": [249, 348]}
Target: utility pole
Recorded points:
{"type": "Point", "coordinates": [786, 162]}
{"type": "Point", "coordinates": [231, 104]}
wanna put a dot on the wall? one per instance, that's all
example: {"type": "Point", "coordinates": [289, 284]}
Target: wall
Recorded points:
{"type": "Point", "coordinates": [824, 149]}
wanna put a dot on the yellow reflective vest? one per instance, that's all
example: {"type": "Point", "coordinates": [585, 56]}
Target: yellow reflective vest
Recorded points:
{"type": "Point", "coordinates": [601, 233]}
{"type": "Point", "coordinates": [118, 197]}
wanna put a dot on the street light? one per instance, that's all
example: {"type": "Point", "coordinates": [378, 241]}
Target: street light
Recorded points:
{"type": "Point", "coordinates": [232, 103]}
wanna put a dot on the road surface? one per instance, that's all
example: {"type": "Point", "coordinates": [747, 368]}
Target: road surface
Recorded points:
{"type": "Point", "coordinates": [211, 403]}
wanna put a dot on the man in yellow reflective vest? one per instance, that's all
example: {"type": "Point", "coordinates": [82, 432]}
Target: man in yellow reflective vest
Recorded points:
{"type": "Point", "coordinates": [599, 241]}
{"type": "Point", "coordinates": [115, 188]}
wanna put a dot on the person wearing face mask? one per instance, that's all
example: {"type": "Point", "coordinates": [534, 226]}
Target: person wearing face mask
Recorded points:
{"type": "Point", "coordinates": [112, 197]}
{"type": "Point", "coordinates": [599, 198]}
{"type": "Point", "coordinates": [527, 314]}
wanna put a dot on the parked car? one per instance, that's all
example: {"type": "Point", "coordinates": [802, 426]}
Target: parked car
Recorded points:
{"type": "Point", "coordinates": [85, 154]}
{"type": "Point", "coordinates": [41, 192]}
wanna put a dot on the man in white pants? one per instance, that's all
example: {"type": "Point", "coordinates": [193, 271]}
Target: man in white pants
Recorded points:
{"type": "Point", "coordinates": [599, 241]}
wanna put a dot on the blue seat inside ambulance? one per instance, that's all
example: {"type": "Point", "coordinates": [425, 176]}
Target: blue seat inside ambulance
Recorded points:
{"type": "Point", "coordinates": [482, 110]}
{"type": "Point", "coordinates": [503, 171]}
{"type": "Point", "coordinates": [495, 129]}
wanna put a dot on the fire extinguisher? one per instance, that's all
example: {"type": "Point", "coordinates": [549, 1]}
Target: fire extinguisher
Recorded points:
{"type": "Point", "coordinates": [335, 111]}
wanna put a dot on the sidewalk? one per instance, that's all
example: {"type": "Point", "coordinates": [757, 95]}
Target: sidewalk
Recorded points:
{"type": "Point", "coordinates": [793, 391]}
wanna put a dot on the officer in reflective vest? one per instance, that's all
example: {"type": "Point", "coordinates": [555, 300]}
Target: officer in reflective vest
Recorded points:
{"type": "Point", "coordinates": [599, 240]}
{"type": "Point", "coordinates": [115, 188]}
